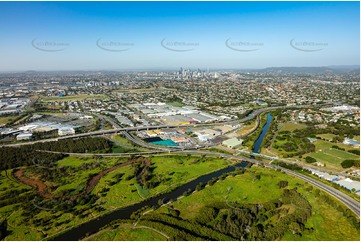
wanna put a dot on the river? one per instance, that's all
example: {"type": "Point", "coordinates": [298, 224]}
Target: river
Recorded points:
{"type": "Point", "coordinates": [258, 143]}
{"type": "Point", "coordinates": [93, 226]}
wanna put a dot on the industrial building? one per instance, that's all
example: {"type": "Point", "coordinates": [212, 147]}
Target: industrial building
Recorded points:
{"type": "Point", "coordinates": [232, 143]}
{"type": "Point", "coordinates": [66, 131]}
{"type": "Point", "coordinates": [24, 136]}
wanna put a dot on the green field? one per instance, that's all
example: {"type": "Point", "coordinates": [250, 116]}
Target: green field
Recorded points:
{"type": "Point", "coordinates": [7, 119]}
{"type": "Point", "coordinates": [145, 90]}
{"type": "Point", "coordinates": [291, 126]}
{"type": "Point", "coordinates": [326, 222]}
{"type": "Point", "coordinates": [24, 215]}
{"type": "Point", "coordinates": [72, 98]}
{"type": "Point", "coordinates": [129, 234]}
{"type": "Point", "coordinates": [31, 217]}
{"type": "Point", "coordinates": [172, 171]}
{"type": "Point", "coordinates": [121, 139]}
{"type": "Point", "coordinates": [331, 157]}
{"type": "Point", "coordinates": [121, 194]}
{"type": "Point", "coordinates": [176, 104]}
{"type": "Point", "coordinates": [327, 137]}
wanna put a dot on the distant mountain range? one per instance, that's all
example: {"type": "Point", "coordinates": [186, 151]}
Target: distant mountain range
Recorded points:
{"type": "Point", "coordinates": [351, 69]}
{"type": "Point", "coordinates": [334, 69]}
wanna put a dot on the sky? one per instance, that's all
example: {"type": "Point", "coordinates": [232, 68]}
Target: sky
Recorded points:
{"type": "Point", "coordinates": [47, 36]}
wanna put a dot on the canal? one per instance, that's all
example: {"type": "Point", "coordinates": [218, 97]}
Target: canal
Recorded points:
{"type": "Point", "coordinates": [258, 143]}
{"type": "Point", "coordinates": [93, 226]}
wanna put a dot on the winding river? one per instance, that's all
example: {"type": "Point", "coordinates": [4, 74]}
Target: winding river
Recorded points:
{"type": "Point", "coordinates": [93, 226]}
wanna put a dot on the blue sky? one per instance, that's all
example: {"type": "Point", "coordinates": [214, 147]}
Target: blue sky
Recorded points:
{"type": "Point", "coordinates": [168, 35]}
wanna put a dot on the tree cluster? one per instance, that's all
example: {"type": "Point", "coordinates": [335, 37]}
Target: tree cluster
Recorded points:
{"type": "Point", "coordinates": [310, 159]}
{"type": "Point", "coordinates": [350, 163]}
{"type": "Point", "coordinates": [12, 157]}
{"type": "Point", "coordinates": [220, 221]}
{"type": "Point", "coordinates": [81, 145]}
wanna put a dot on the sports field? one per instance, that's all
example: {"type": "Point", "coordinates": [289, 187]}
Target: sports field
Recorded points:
{"type": "Point", "coordinates": [331, 157]}
{"type": "Point", "coordinates": [72, 98]}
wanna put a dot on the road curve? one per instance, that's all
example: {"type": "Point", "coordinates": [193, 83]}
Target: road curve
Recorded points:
{"type": "Point", "coordinates": [251, 116]}
{"type": "Point", "coordinates": [349, 202]}
{"type": "Point", "coordinates": [352, 204]}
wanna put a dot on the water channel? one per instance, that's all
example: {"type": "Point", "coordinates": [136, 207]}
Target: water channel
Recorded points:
{"type": "Point", "coordinates": [124, 213]}
{"type": "Point", "coordinates": [258, 143]}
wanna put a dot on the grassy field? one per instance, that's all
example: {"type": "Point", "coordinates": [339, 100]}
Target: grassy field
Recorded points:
{"type": "Point", "coordinates": [12, 212]}
{"type": "Point", "coordinates": [124, 141]}
{"type": "Point", "coordinates": [171, 170]}
{"type": "Point", "coordinates": [291, 126]}
{"type": "Point", "coordinates": [176, 104]}
{"type": "Point", "coordinates": [128, 234]}
{"type": "Point", "coordinates": [328, 223]}
{"type": "Point", "coordinates": [75, 161]}
{"type": "Point", "coordinates": [79, 178]}
{"type": "Point", "coordinates": [145, 90]}
{"type": "Point", "coordinates": [247, 128]}
{"type": "Point", "coordinates": [327, 137]}
{"type": "Point", "coordinates": [53, 107]}
{"type": "Point", "coordinates": [121, 139]}
{"type": "Point", "coordinates": [243, 189]}
{"type": "Point", "coordinates": [121, 194]}
{"type": "Point", "coordinates": [29, 219]}
{"type": "Point", "coordinates": [72, 98]}
{"type": "Point", "coordinates": [23, 217]}
{"type": "Point", "coordinates": [7, 119]}
{"type": "Point", "coordinates": [331, 157]}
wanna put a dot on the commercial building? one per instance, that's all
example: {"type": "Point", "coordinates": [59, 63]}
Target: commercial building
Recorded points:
{"type": "Point", "coordinates": [349, 184]}
{"type": "Point", "coordinates": [66, 131]}
{"type": "Point", "coordinates": [24, 136]}
{"type": "Point", "coordinates": [232, 143]}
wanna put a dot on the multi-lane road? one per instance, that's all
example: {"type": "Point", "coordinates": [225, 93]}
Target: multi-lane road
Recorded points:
{"type": "Point", "coordinates": [249, 117]}
{"type": "Point", "coordinates": [349, 202]}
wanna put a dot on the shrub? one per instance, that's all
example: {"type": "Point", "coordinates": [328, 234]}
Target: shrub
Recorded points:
{"type": "Point", "coordinates": [310, 159]}
{"type": "Point", "coordinates": [348, 163]}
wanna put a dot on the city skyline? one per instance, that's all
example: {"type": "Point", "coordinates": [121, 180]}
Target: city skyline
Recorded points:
{"type": "Point", "coordinates": [51, 36]}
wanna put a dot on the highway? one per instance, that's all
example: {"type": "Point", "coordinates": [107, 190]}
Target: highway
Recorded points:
{"type": "Point", "coordinates": [130, 129]}
{"type": "Point", "coordinates": [352, 204]}
{"type": "Point", "coordinates": [348, 201]}
{"type": "Point", "coordinates": [268, 157]}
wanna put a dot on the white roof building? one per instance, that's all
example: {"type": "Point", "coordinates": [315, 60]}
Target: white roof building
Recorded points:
{"type": "Point", "coordinates": [24, 136]}
{"type": "Point", "coordinates": [66, 131]}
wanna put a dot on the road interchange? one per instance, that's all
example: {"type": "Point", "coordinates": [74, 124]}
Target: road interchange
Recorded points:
{"type": "Point", "coordinates": [349, 202]}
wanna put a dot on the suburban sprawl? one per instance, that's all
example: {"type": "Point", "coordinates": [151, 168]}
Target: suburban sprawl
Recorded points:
{"type": "Point", "coordinates": [188, 154]}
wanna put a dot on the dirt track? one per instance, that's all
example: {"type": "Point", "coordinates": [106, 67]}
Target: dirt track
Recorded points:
{"type": "Point", "coordinates": [40, 186]}
{"type": "Point", "coordinates": [95, 179]}
{"type": "Point", "coordinates": [43, 190]}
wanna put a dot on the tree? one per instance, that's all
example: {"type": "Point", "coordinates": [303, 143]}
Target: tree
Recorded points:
{"type": "Point", "coordinates": [310, 159]}
{"type": "Point", "coordinates": [347, 163]}
{"type": "Point", "coordinates": [282, 184]}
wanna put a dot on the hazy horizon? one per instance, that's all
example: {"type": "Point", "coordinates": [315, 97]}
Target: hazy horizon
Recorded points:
{"type": "Point", "coordinates": [116, 36]}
